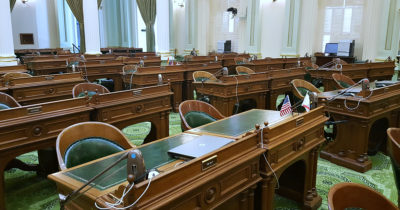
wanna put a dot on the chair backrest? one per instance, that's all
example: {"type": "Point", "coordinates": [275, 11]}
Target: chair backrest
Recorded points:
{"type": "Point", "coordinates": [14, 75]}
{"type": "Point", "coordinates": [243, 70]}
{"type": "Point", "coordinates": [129, 68]}
{"type": "Point", "coordinates": [393, 147]}
{"type": "Point", "coordinates": [201, 76]}
{"type": "Point", "coordinates": [300, 88]}
{"type": "Point", "coordinates": [195, 113]}
{"type": "Point", "coordinates": [87, 141]}
{"type": "Point", "coordinates": [81, 89]}
{"type": "Point", "coordinates": [7, 101]}
{"type": "Point", "coordinates": [353, 195]}
{"type": "Point", "coordinates": [240, 60]}
{"type": "Point", "coordinates": [342, 81]}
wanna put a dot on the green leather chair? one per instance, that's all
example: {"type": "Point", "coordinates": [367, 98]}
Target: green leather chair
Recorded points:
{"type": "Point", "coordinates": [87, 141]}
{"type": "Point", "coordinates": [89, 89]}
{"type": "Point", "coordinates": [196, 113]}
{"type": "Point", "coordinates": [393, 147]}
{"type": "Point", "coordinates": [7, 101]}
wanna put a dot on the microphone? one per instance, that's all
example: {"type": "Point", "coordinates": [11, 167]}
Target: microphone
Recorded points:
{"type": "Point", "coordinates": [225, 71]}
{"type": "Point", "coordinates": [135, 160]}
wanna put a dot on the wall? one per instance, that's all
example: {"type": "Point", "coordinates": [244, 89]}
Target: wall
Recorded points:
{"type": "Point", "coordinates": [272, 23]}
{"type": "Point", "coordinates": [39, 18]}
{"type": "Point", "coordinates": [178, 27]}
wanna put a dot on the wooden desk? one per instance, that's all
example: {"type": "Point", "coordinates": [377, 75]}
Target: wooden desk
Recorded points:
{"type": "Point", "coordinates": [120, 50]}
{"type": "Point", "coordinates": [200, 59]}
{"type": "Point", "coordinates": [230, 90]}
{"type": "Point", "coordinates": [280, 83]}
{"type": "Point", "coordinates": [321, 60]}
{"type": "Point", "coordinates": [100, 57]}
{"type": "Point", "coordinates": [148, 76]}
{"type": "Point", "coordinates": [148, 61]}
{"type": "Point", "coordinates": [124, 108]}
{"type": "Point", "coordinates": [228, 61]}
{"type": "Point", "coordinates": [13, 69]}
{"type": "Point", "coordinates": [34, 127]}
{"type": "Point", "coordinates": [372, 71]}
{"type": "Point", "coordinates": [228, 184]}
{"type": "Point", "coordinates": [39, 89]}
{"type": "Point", "coordinates": [102, 69]}
{"type": "Point", "coordinates": [48, 66]}
{"type": "Point", "coordinates": [291, 145]}
{"type": "Point", "coordinates": [188, 86]}
{"type": "Point", "coordinates": [365, 127]}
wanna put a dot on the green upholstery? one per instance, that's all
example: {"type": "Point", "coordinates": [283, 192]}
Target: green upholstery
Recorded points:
{"type": "Point", "coordinates": [344, 84]}
{"type": "Point", "coordinates": [90, 93]}
{"type": "Point", "coordinates": [196, 118]}
{"type": "Point", "coordinates": [243, 73]}
{"type": "Point", "coordinates": [396, 170]}
{"type": "Point", "coordinates": [202, 79]}
{"type": "Point", "coordinates": [303, 90]}
{"type": "Point", "coordinates": [89, 149]}
{"type": "Point", "coordinates": [240, 62]}
{"type": "Point", "coordinates": [4, 106]}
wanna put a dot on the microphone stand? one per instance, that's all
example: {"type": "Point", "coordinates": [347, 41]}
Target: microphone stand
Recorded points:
{"type": "Point", "coordinates": [70, 196]}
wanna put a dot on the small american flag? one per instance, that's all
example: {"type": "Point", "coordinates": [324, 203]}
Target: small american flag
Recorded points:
{"type": "Point", "coordinates": [286, 107]}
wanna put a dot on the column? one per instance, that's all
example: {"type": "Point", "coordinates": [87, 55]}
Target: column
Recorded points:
{"type": "Point", "coordinates": [163, 28]}
{"type": "Point", "coordinates": [253, 41]}
{"type": "Point", "coordinates": [7, 56]}
{"type": "Point", "coordinates": [203, 20]}
{"type": "Point", "coordinates": [291, 29]}
{"type": "Point", "coordinates": [92, 30]}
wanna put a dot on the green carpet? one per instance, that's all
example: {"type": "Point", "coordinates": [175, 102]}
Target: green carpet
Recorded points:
{"type": "Point", "coordinates": [25, 190]}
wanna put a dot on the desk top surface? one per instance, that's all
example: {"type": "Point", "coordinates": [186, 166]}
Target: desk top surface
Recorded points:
{"type": "Point", "coordinates": [240, 124]}
{"type": "Point", "coordinates": [154, 154]}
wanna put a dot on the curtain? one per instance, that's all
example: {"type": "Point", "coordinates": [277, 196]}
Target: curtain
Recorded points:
{"type": "Point", "coordinates": [99, 3]}
{"type": "Point", "coordinates": [12, 4]}
{"type": "Point", "coordinates": [148, 10]}
{"type": "Point", "coordinates": [76, 7]}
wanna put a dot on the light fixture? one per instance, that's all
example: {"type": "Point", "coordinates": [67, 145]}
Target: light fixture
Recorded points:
{"type": "Point", "coordinates": [180, 3]}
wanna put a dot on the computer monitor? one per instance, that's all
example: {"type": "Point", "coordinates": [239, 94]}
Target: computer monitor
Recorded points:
{"type": "Point", "coordinates": [331, 48]}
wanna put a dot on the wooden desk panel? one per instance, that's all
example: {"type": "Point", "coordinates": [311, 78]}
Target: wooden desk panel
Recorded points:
{"type": "Point", "coordinates": [280, 83]}
{"type": "Point", "coordinates": [229, 184]}
{"type": "Point", "coordinates": [353, 139]}
{"type": "Point", "coordinates": [13, 69]}
{"type": "Point", "coordinates": [148, 76]}
{"type": "Point", "coordinates": [148, 61]}
{"type": "Point", "coordinates": [291, 145]}
{"type": "Point", "coordinates": [39, 89]}
{"type": "Point", "coordinates": [372, 71]}
{"type": "Point", "coordinates": [129, 107]}
{"type": "Point", "coordinates": [188, 86]}
{"type": "Point", "coordinates": [226, 93]}
{"type": "Point", "coordinates": [30, 128]}
{"type": "Point", "coordinates": [321, 60]}
{"type": "Point", "coordinates": [103, 69]}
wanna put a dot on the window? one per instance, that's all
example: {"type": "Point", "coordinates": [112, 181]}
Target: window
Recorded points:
{"type": "Point", "coordinates": [340, 20]}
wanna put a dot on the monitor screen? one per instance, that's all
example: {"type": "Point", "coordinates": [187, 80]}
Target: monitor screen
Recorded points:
{"type": "Point", "coordinates": [331, 48]}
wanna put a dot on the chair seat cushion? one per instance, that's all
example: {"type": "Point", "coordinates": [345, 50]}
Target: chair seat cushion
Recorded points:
{"type": "Point", "coordinates": [89, 149]}
{"type": "Point", "coordinates": [4, 106]}
{"type": "Point", "coordinates": [344, 84]}
{"type": "Point", "coordinates": [243, 73]}
{"type": "Point", "coordinates": [202, 79]}
{"type": "Point", "coordinates": [197, 118]}
{"type": "Point", "coordinates": [303, 90]}
{"type": "Point", "coordinates": [90, 94]}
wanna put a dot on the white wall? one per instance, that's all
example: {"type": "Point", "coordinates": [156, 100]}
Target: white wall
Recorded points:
{"type": "Point", "coordinates": [272, 23]}
{"type": "Point", "coordinates": [23, 18]}
{"type": "Point", "coordinates": [179, 28]}
{"type": "Point", "coordinates": [39, 18]}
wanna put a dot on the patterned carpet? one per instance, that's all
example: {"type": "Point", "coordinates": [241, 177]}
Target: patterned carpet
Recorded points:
{"type": "Point", "coordinates": [25, 190]}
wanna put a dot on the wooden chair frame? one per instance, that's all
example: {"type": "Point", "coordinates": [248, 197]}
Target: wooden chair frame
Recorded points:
{"type": "Point", "coordinates": [302, 83]}
{"type": "Point", "coordinates": [195, 105]}
{"type": "Point", "coordinates": [244, 69]}
{"type": "Point", "coordinates": [81, 87]}
{"type": "Point", "coordinates": [341, 77]}
{"type": "Point", "coordinates": [84, 130]}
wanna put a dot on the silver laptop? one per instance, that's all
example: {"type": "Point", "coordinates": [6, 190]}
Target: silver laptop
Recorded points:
{"type": "Point", "coordinates": [198, 147]}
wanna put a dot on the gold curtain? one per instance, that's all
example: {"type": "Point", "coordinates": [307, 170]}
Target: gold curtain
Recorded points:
{"type": "Point", "coordinates": [76, 7]}
{"type": "Point", "coordinates": [12, 4]}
